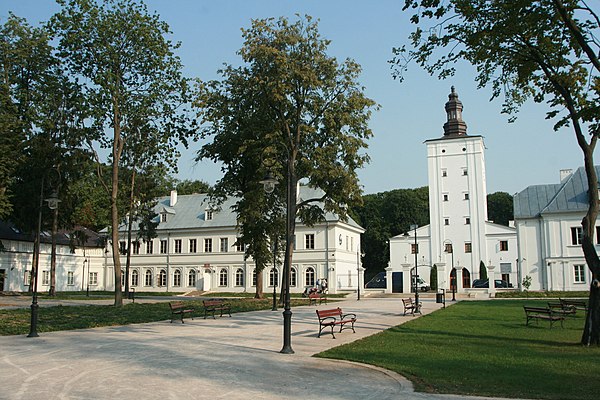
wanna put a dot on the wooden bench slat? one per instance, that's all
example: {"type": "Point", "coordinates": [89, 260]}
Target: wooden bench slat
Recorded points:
{"type": "Point", "coordinates": [547, 314]}
{"type": "Point", "coordinates": [180, 308]}
{"type": "Point", "coordinates": [333, 317]}
{"type": "Point", "coordinates": [212, 306]}
{"type": "Point", "coordinates": [411, 307]}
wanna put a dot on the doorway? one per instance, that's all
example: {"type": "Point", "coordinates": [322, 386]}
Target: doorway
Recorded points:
{"type": "Point", "coordinates": [397, 282]}
{"type": "Point", "coordinates": [2, 279]}
{"type": "Point", "coordinates": [466, 277]}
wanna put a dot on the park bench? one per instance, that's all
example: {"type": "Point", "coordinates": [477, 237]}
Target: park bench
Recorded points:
{"type": "Point", "coordinates": [179, 309]}
{"type": "Point", "coordinates": [314, 297]}
{"type": "Point", "coordinates": [561, 308]}
{"type": "Point", "coordinates": [411, 307]}
{"type": "Point", "coordinates": [212, 306]}
{"type": "Point", "coordinates": [538, 313]}
{"type": "Point", "coordinates": [334, 317]}
{"type": "Point", "coordinates": [577, 304]}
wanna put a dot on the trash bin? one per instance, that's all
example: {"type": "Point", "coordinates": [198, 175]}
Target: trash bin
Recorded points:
{"type": "Point", "coordinates": [439, 297]}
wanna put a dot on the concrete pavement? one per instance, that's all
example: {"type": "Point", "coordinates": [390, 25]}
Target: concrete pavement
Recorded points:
{"type": "Point", "coordinates": [231, 358]}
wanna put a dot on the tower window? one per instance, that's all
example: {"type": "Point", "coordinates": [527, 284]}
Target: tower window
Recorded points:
{"type": "Point", "coordinates": [446, 221]}
{"type": "Point", "coordinates": [468, 248]}
{"type": "Point", "coordinates": [445, 197]}
{"type": "Point", "coordinates": [465, 172]}
{"type": "Point", "coordinates": [467, 221]}
{"type": "Point", "coordinates": [466, 196]}
{"type": "Point", "coordinates": [444, 173]}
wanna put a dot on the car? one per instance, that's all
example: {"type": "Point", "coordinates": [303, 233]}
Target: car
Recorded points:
{"type": "Point", "coordinates": [421, 284]}
{"type": "Point", "coordinates": [379, 281]}
{"type": "Point", "coordinates": [485, 283]}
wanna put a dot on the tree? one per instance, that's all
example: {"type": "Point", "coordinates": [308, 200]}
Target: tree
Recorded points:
{"type": "Point", "coordinates": [500, 208]}
{"type": "Point", "coordinates": [483, 271]}
{"type": "Point", "coordinates": [190, 187]}
{"type": "Point", "coordinates": [291, 110]}
{"type": "Point", "coordinates": [132, 80]}
{"type": "Point", "coordinates": [433, 278]}
{"type": "Point", "coordinates": [545, 50]}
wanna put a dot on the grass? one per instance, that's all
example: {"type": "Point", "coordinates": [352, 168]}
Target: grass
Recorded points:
{"type": "Point", "coordinates": [59, 318]}
{"type": "Point", "coordinates": [484, 348]}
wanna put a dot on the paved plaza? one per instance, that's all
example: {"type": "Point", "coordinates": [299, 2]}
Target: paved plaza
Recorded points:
{"type": "Point", "coordinates": [223, 358]}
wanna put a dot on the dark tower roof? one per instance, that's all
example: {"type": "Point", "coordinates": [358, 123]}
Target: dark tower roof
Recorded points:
{"type": "Point", "coordinates": [455, 126]}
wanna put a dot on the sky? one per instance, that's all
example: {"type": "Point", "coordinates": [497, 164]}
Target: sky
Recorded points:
{"type": "Point", "coordinates": [526, 152]}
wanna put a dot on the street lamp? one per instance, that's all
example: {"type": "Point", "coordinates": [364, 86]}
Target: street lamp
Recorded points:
{"type": "Point", "coordinates": [269, 183]}
{"type": "Point", "coordinates": [416, 277]}
{"type": "Point", "coordinates": [53, 201]}
{"type": "Point", "coordinates": [358, 274]}
{"type": "Point", "coordinates": [450, 249]}
{"type": "Point", "coordinates": [275, 276]}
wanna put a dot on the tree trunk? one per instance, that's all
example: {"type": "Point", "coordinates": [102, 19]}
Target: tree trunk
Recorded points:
{"type": "Point", "coordinates": [129, 228]}
{"type": "Point", "coordinates": [259, 285]}
{"type": "Point", "coordinates": [116, 156]}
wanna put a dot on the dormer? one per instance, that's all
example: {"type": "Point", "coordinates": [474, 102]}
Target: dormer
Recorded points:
{"type": "Point", "coordinates": [209, 213]}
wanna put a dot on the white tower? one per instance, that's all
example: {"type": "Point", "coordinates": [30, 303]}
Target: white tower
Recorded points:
{"type": "Point", "coordinates": [457, 195]}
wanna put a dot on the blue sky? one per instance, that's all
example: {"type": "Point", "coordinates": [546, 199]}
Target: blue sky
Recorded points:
{"type": "Point", "coordinates": [519, 154]}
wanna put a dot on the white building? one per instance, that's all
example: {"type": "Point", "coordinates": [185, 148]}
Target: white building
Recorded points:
{"type": "Point", "coordinates": [77, 267]}
{"type": "Point", "coordinates": [548, 221]}
{"type": "Point", "coordinates": [197, 248]}
{"type": "Point", "coordinates": [459, 237]}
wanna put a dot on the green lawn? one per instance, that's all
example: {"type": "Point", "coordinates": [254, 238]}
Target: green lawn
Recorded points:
{"type": "Point", "coordinates": [484, 348]}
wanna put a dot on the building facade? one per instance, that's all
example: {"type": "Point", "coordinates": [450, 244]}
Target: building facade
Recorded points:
{"type": "Point", "coordinates": [459, 237]}
{"type": "Point", "coordinates": [548, 221]}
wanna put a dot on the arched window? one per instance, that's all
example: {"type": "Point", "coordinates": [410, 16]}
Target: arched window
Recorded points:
{"type": "Point", "coordinates": [239, 277]}
{"type": "Point", "coordinates": [177, 278]}
{"type": "Point", "coordinates": [293, 277]}
{"type": "Point", "coordinates": [310, 276]}
{"type": "Point", "coordinates": [148, 278]}
{"type": "Point", "coordinates": [122, 278]}
{"type": "Point", "coordinates": [135, 278]}
{"type": "Point", "coordinates": [466, 275]}
{"type": "Point", "coordinates": [273, 277]}
{"type": "Point", "coordinates": [192, 278]}
{"type": "Point", "coordinates": [223, 277]}
{"type": "Point", "coordinates": [254, 277]}
{"type": "Point", "coordinates": [162, 278]}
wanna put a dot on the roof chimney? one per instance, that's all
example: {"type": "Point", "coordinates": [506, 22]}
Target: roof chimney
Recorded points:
{"type": "Point", "coordinates": [173, 198]}
{"type": "Point", "coordinates": [565, 173]}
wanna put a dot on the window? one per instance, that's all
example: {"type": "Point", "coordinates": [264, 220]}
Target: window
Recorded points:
{"type": "Point", "coordinates": [504, 245]}
{"type": "Point", "coordinates": [208, 216]}
{"type": "Point", "coordinates": [351, 244]}
{"type": "Point", "coordinates": [446, 221]}
{"type": "Point", "coordinates": [309, 241]}
{"type": "Point", "coordinates": [45, 277]}
{"type": "Point", "coordinates": [273, 277]}
{"type": "Point", "coordinates": [467, 221]}
{"type": "Point", "coordinates": [149, 247]}
{"type": "Point", "coordinates": [468, 248]}
{"type": "Point", "coordinates": [163, 217]}
{"type": "Point", "coordinates": [208, 245]}
{"type": "Point", "coordinates": [254, 277]}
{"type": "Point", "coordinates": [465, 173]}
{"type": "Point", "coordinates": [444, 173]}
{"type": "Point", "coordinates": [466, 196]}
{"type": "Point", "coordinates": [192, 278]}
{"type": "Point", "coordinates": [309, 277]}
{"type": "Point", "coordinates": [579, 271]}
{"type": "Point", "coordinates": [135, 278]}
{"type": "Point", "coordinates": [445, 197]}
{"type": "Point", "coordinates": [163, 247]}
{"type": "Point", "coordinates": [224, 245]}
{"type": "Point", "coordinates": [135, 247]}
{"type": "Point", "coordinates": [148, 278]}
{"type": "Point", "coordinates": [448, 248]}
{"type": "Point", "coordinates": [122, 247]}
{"type": "Point", "coordinates": [293, 277]}
{"type": "Point", "coordinates": [223, 277]}
{"type": "Point", "coordinates": [177, 245]}
{"type": "Point", "coordinates": [347, 242]}
{"type": "Point", "coordinates": [162, 278]}
{"type": "Point", "coordinates": [576, 235]}
{"type": "Point", "coordinates": [239, 246]}
{"type": "Point", "coordinates": [177, 278]}
{"type": "Point", "coordinates": [239, 277]}
{"type": "Point", "coordinates": [93, 278]}
{"type": "Point", "coordinates": [193, 245]}
{"type": "Point", "coordinates": [122, 278]}
{"type": "Point", "coordinates": [598, 235]}
{"type": "Point", "coordinates": [414, 248]}
{"type": "Point", "coordinates": [70, 278]}
{"type": "Point", "coordinates": [27, 278]}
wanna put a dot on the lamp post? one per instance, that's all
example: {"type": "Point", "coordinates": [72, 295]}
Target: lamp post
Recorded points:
{"type": "Point", "coordinates": [358, 275]}
{"type": "Point", "coordinates": [53, 201]}
{"type": "Point", "coordinates": [269, 183]}
{"type": "Point", "coordinates": [416, 277]}
{"type": "Point", "coordinates": [451, 251]}
{"type": "Point", "coordinates": [275, 276]}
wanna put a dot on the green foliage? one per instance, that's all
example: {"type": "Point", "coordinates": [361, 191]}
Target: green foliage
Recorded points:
{"type": "Point", "coordinates": [500, 208]}
{"type": "Point", "coordinates": [482, 271]}
{"type": "Point", "coordinates": [433, 278]}
{"type": "Point", "coordinates": [385, 215]}
{"type": "Point", "coordinates": [483, 348]}
{"type": "Point", "coordinates": [526, 282]}
{"type": "Point", "coordinates": [190, 187]}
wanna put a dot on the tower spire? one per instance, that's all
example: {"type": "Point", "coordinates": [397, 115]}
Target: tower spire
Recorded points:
{"type": "Point", "coordinates": [455, 126]}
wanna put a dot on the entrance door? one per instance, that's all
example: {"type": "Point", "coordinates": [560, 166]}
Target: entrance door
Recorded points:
{"type": "Point", "coordinates": [397, 283]}
{"type": "Point", "coordinates": [2, 279]}
{"type": "Point", "coordinates": [466, 276]}
{"type": "Point", "coordinates": [453, 279]}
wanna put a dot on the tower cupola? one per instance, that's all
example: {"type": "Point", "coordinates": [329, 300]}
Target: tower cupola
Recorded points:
{"type": "Point", "coordinates": [454, 126]}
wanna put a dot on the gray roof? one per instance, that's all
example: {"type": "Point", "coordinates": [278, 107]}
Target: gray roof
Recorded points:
{"type": "Point", "coordinates": [189, 212]}
{"type": "Point", "coordinates": [568, 196]}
